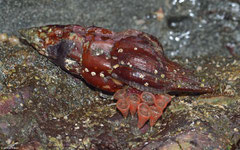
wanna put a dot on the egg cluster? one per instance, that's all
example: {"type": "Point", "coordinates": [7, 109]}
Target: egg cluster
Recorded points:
{"type": "Point", "coordinates": [148, 106]}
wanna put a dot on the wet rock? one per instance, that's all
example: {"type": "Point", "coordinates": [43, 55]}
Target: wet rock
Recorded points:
{"type": "Point", "coordinates": [56, 110]}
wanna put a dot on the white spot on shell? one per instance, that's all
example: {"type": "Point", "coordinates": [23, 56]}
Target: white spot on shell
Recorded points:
{"type": "Point", "coordinates": [116, 66]}
{"type": "Point", "coordinates": [163, 75]}
{"type": "Point", "coordinates": [93, 73]}
{"type": "Point", "coordinates": [135, 48]}
{"type": "Point", "coordinates": [77, 70]}
{"type": "Point", "coordinates": [99, 53]}
{"type": "Point", "coordinates": [106, 87]}
{"type": "Point", "coordinates": [102, 75]}
{"type": "Point", "coordinates": [141, 76]}
{"type": "Point", "coordinates": [115, 58]}
{"type": "Point", "coordinates": [69, 61]}
{"type": "Point", "coordinates": [120, 50]}
{"type": "Point", "coordinates": [130, 65]}
{"type": "Point", "coordinates": [86, 69]}
{"type": "Point", "coordinates": [155, 71]}
{"type": "Point", "coordinates": [146, 84]}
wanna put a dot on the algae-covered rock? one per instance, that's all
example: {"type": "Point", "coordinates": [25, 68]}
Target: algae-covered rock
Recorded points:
{"type": "Point", "coordinates": [43, 107]}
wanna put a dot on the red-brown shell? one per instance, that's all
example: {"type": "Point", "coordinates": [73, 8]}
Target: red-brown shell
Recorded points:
{"type": "Point", "coordinates": [110, 60]}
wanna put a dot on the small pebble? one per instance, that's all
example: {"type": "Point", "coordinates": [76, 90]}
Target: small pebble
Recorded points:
{"type": "Point", "coordinates": [199, 68]}
{"type": "Point", "coordinates": [159, 14]}
{"type": "Point", "coordinates": [140, 22]}
{"type": "Point", "coordinates": [3, 37]}
{"type": "Point", "coordinates": [13, 40]}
